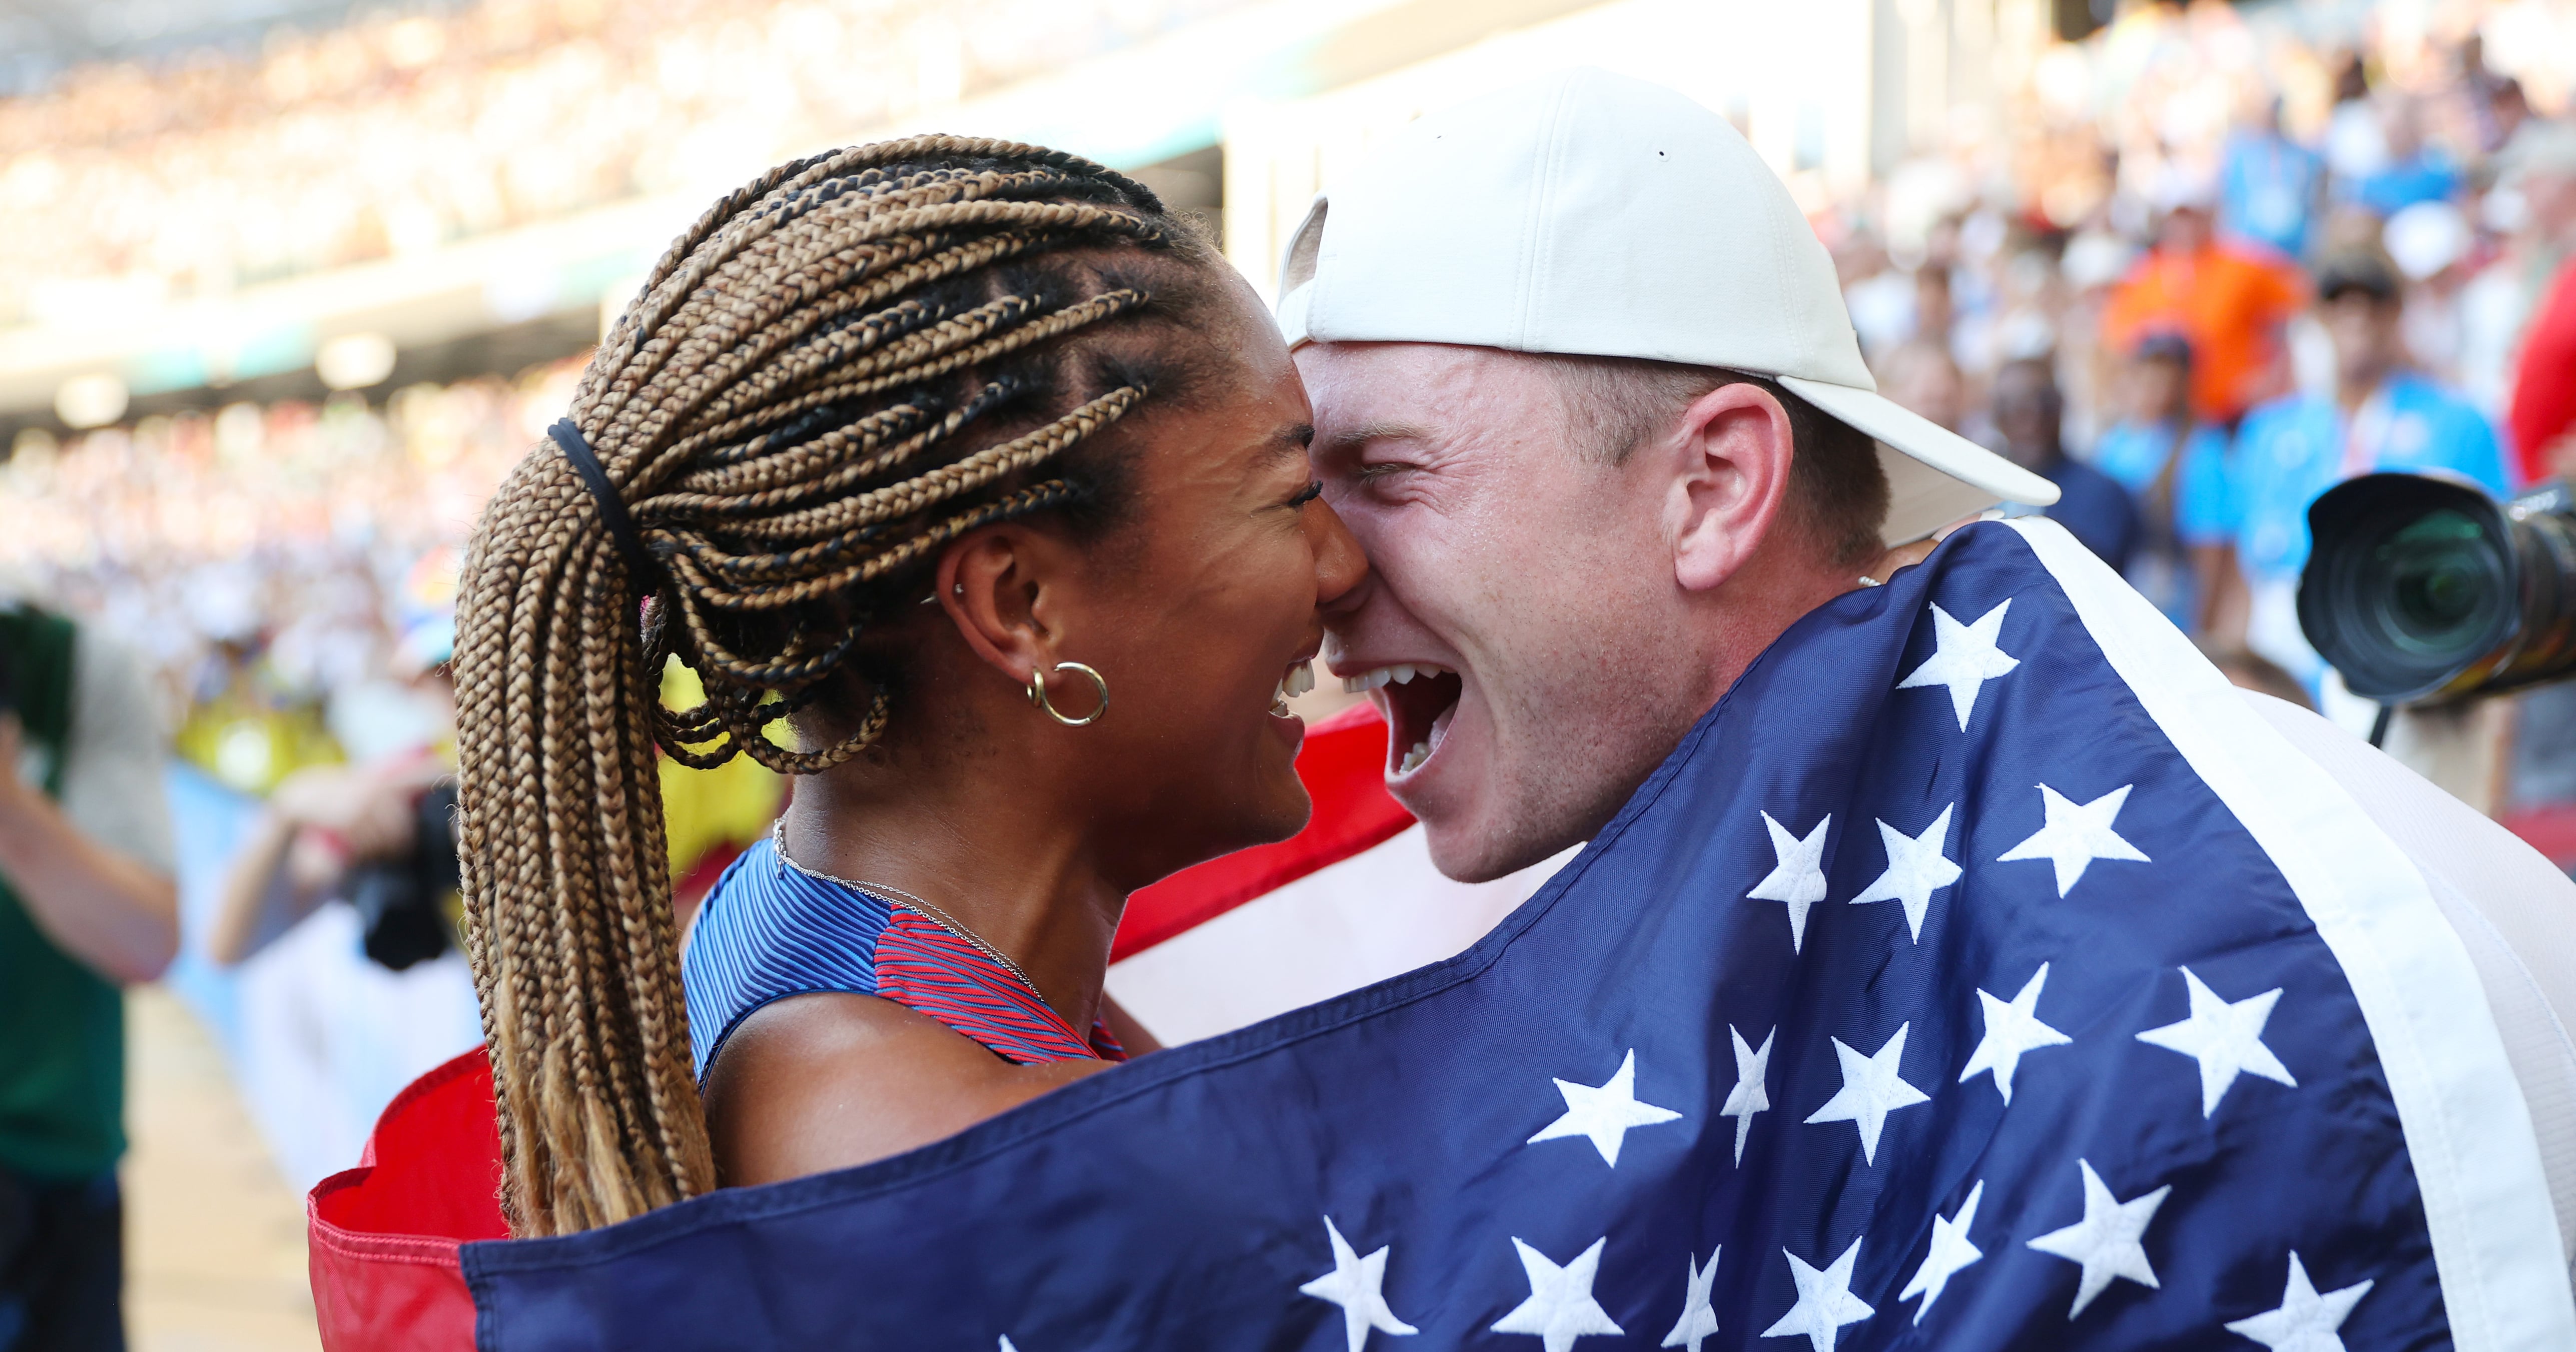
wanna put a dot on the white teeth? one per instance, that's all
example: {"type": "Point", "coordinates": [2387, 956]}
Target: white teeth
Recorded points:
{"type": "Point", "coordinates": [1297, 680]}
{"type": "Point", "coordinates": [1413, 759]}
{"type": "Point", "coordinates": [1399, 674]}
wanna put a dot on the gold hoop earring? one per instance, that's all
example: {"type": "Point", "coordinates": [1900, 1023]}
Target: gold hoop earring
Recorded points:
{"type": "Point", "coordinates": [1038, 695]}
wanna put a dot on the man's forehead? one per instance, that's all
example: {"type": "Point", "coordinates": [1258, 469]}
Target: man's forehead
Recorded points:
{"type": "Point", "coordinates": [1382, 391]}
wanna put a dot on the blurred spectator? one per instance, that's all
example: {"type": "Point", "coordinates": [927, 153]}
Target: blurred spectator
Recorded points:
{"type": "Point", "coordinates": [2029, 414]}
{"type": "Point", "coordinates": [2413, 170]}
{"type": "Point", "coordinates": [1879, 296]}
{"type": "Point", "coordinates": [2507, 110]}
{"type": "Point", "coordinates": [86, 905]}
{"type": "Point", "coordinates": [376, 835]}
{"type": "Point", "coordinates": [2382, 416]}
{"type": "Point", "coordinates": [2270, 186]}
{"type": "Point", "coordinates": [2543, 417]}
{"type": "Point", "coordinates": [2431, 242]}
{"type": "Point", "coordinates": [2535, 201]}
{"type": "Point", "coordinates": [1922, 378]}
{"type": "Point", "coordinates": [2356, 141]}
{"type": "Point", "coordinates": [246, 725]}
{"type": "Point", "coordinates": [2175, 470]}
{"type": "Point", "coordinates": [2229, 303]}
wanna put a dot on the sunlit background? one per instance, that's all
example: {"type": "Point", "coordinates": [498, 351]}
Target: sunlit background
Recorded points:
{"type": "Point", "coordinates": [287, 286]}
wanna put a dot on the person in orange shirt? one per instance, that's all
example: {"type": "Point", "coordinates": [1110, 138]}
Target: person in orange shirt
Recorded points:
{"type": "Point", "coordinates": [2229, 300]}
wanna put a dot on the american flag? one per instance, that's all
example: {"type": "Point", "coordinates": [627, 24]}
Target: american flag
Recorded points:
{"type": "Point", "coordinates": [1981, 972]}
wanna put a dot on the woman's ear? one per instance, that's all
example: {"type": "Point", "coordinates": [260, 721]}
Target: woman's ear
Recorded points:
{"type": "Point", "coordinates": [994, 586]}
{"type": "Point", "coordinates": [1731, 478]}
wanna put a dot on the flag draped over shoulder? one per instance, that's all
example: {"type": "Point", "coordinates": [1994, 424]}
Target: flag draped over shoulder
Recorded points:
{"type": "Point", "coordinates": [1981, 972]}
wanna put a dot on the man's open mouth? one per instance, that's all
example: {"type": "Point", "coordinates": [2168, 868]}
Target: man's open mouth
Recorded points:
{"type": "Point", "coordinates": [1419, 699]}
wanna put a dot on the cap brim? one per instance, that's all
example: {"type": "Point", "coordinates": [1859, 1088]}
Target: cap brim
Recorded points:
{"type": "Point", "coordinates": [1937, 477]}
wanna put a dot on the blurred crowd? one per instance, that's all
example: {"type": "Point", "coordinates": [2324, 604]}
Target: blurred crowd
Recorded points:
{"type": "Point", "coordinates": [288, 574]}
{"type": "Point", "coordinates": [125, 185]}
{"type": "Point", "coordinates": [285, 575]}
{"type": "Point", "coordinates": [2217, 269]}
{"type": "Point", "coordinates": [273, 563]}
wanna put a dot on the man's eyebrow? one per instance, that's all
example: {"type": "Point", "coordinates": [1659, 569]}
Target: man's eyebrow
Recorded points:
{"type": "Point", "coordinates": [1352, 438]}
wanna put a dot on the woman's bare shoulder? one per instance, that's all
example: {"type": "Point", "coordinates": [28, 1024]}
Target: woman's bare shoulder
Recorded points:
{"type": "Point", "coordinates": [833, 1079]}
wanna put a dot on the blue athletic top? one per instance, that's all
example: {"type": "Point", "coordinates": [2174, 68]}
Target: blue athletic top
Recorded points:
{"type": "Point", "coordinates": [768, 932]}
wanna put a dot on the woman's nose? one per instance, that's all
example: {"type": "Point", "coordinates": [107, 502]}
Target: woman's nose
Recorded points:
{"type": "Point", "coordinates": [1340, 565]}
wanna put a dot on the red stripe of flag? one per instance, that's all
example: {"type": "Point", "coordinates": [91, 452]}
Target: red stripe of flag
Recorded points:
{"type": "Point", "coordinates": [1343, 764]}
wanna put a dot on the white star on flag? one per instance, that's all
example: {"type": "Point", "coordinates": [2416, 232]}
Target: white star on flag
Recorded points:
{"type": "Point", "coordinates": [2012, 1028]}
{"type": "Point", "coordinates": [1355, 1284]}
{"type": "Point", "coordinates": [1799, 877]}
{"type": "Point", "coordinates": [1950, 1252]}
{"type": "Point", "coordinates": [1748, 1096]}
{"type": "Point", "coordinates": [1825, 1302]}
{"type": "Point", "coordinates": [2105, 1242]}
{"type": "Point", "coordinates": [1606, 1113]}
{"type": "Point", "coordinates": [1006, 1344]}
{"type": "Point", "coordinates": [1964, 658]}
{"type": "Point", "coordinates": [1916, 869]}
{"type": "Point", "coordinates": [2306, 1321]}
{"type": "Point", "coordinates": [2076, 834]}
{"type": "Point", "coordinates": [2226, 1039]}
{"type": "Point", "coordinates": [1871, 1090]}
{"type": "Point", "coordinates": [1698, 1319]}
{"type": "Point", "coordinates": [1560, 1307]}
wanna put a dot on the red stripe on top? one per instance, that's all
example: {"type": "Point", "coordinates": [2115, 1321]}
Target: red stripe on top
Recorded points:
{"type": "Point", "coordinates": [922, 966]}
{"type": "Point", "coordinates": [1343, 764]}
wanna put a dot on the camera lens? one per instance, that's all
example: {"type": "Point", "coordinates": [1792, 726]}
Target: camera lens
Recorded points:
{"type": "Point", "coordinates": [2422, 589]}
{"type": "Point", "coordinates": [2439, 588]}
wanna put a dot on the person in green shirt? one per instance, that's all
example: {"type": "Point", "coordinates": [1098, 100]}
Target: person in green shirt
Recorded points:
{"type": "Point", "coordinates": [86, 905]}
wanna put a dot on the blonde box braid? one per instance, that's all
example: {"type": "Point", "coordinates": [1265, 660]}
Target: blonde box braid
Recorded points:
{"type": "Point", "coordinates": [785, 414]}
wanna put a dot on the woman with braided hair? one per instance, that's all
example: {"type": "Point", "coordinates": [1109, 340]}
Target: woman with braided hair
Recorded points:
{"type": "Point", "coordinates": [972, 485]}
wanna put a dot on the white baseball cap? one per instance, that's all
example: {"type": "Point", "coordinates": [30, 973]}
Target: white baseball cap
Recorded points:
{"type": "Point", "coordinates": [1592, 214]}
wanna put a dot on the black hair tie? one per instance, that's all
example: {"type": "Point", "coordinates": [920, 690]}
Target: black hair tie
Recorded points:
{"type": "Point", "coordinates": [612, 508]}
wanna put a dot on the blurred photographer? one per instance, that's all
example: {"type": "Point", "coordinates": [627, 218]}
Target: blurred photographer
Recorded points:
{"type": "Point", "coordinates": [378, 835]}
{"type": "Point", "coordinates": [2383, 415]}
{"type": "Point", "coordinates": [86, 905]}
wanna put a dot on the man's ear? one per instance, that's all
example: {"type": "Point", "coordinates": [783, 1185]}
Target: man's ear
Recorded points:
{"type": "Point", "coordinates": [1732, 455]}
{"type": "Point", "coordinates": [995, 585]}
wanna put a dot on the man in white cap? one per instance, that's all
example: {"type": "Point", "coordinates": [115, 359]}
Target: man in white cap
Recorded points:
{"type": "Point", "coordinates": [1579, 339]}
{"type": "Point", "coordinates": [1586, 392]}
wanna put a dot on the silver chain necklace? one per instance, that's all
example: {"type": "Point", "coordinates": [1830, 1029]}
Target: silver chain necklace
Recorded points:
{"type": "Point", "coordinates": [778, 845]}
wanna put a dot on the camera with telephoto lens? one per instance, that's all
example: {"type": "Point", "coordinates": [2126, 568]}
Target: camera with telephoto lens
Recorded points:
{"type": "Point", "coordinates": [404, 903]}
{"type": "Point", "coordinates": [2424, 590]}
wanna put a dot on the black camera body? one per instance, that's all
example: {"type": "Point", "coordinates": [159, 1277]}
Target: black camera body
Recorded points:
{"type": "Point", "coordinates": [403, 903]}
{"type": "Point", "coordinates": [2423, 590]}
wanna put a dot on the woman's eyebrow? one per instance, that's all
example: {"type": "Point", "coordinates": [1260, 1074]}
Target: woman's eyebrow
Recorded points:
{"type": "Point", "coordinates": [1289, 442]}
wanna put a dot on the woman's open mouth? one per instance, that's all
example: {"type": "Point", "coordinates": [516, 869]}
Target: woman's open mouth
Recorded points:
{"type": "Point", "coordinates": [1296, 680]}
{"type": "Point", "coordinates": [1419, 699]}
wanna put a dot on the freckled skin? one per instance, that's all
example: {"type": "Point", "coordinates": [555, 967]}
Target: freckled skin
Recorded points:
{"type": "Point", "coordinates": [1592, 611]}
{"type": "Point", "coordinates": [1032, 834]}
